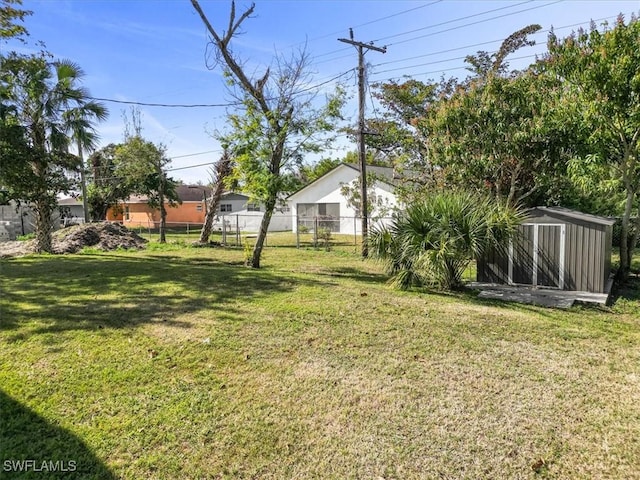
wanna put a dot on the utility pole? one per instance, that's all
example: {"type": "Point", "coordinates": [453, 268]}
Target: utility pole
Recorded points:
{"type": "Point", "coordinates": [362, 49]}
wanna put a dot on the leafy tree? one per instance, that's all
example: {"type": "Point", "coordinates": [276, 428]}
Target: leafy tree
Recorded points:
{"type": "Point", "coordinates": [395, 134]}
{"type": "Point", "coordinates": [37, 98]}
{"type": "Point", "coordinates": [433, 241]}
{"type": "Point", "coordinates": [141, 166]}
{"type": "Point", "coordinates": [80, 122]}
{"type": "Point", "coordinates": [106, 185]}
{"type": "Point", "coordinates": [310, 173]}
{"type": "Point", "coordinates": [484, 65]}
{"type": "Point", "coordinates": [9, 16]}
{"type": "Point", "coordinates": [278, 122]}
{"type": "Point", "coordinates": [377, 207]}
{"type": "Point", "coordinates": [601, 73]}
{"type": "Point", "coordinates": [492, 135]}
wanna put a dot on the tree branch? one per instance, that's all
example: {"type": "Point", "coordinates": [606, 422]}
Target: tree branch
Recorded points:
{"type": "Point", "coordinates": [256, 91]}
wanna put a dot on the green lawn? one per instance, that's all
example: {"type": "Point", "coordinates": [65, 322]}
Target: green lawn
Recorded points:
{"type": "Point", "coordinates": [178, 363]}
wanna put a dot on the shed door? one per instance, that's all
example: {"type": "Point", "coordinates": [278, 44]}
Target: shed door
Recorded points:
{"type": "Point", "coordinates": [537, 256]}
{"type": "Point", "coordinates": [522, 256]}
{"type": "Point", "coordinates": [550, 252]}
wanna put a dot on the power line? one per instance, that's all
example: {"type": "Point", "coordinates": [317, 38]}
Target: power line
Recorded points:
{"type": "Point", "coordinates": [452, 21]}
{"type": "Point", "coordinates": [473, 23]}
{"type": "Point", "coordinates": [431, 54]}
{"type": "Point", "coordinates": [474, 45]}
{"type": "Point", "coordinates": [210, 105]}
{"type": "Point", "coordinates": [440, 24]}
{"type": "Point", "coordinates": [447, 69]}
{"type": "Point", "coordinates": [196, 154]}
{"type": "Point", "coordinates": [189, 166]}
{"type": "Point", "coordinates": [166, 105]}
{"type": "Point", "coordinates": [368, 23]}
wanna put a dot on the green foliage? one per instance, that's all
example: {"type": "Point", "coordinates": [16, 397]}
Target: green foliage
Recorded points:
{"type": "Point", "coordinates": [396, 137]}
{"type": "Point", "coordinates": [601, 73]}
{"type": "Point", "coordinates": [311, 173]}
{"type": "Point", "coordinates": [43, 108]}
{"type": "Point", "coordinates": [140, 164]}
{"type": "Point", "coordinates": [9, 18]}
{"type": "Point", "coordinates": [491, 134]}
{"type": "Point", "coordinates": [377, 206]}
{"type": "Point", "coordinates": [107, 185]}
{"type": "Point", "coordinates": [325, 235]}
{"type": "Point", "coordinates": [433, 241]}
{"type": "Point", "coordinates": [484, 65]}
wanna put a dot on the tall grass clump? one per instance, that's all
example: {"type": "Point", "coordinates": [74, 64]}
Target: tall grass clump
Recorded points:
{"type": "Point", "coordinates": [433, 240]}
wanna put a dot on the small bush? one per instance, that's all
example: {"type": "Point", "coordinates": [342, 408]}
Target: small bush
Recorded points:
{"type": "Point", "coordinates": [324, 234]}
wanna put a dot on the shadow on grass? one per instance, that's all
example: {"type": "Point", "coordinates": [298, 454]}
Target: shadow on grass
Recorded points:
{"type": "Point", "coordinates": [630, 290]}
{"type": "Point", "coordinates": [115, 291]}
{"type": "Point", "coordinates": [470, 296]}
{"type": "Point", "coordinates": [51, 451]}
{"type": "Point", "coordinates": [358, 275]}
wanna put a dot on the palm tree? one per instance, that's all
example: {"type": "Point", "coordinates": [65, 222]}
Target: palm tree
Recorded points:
{"type": "Point", "coordinates": [433, 241]}
{"type": "Point", "coordinates": [48, 101]}
{"type": "Point", "coordinates": [81, 126]}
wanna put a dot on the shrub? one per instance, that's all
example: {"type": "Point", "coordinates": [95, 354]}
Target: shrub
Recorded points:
{"type": "Point", "coordinates": [324, 234]}
{"type": "Point", "coordinates": [433, 241]}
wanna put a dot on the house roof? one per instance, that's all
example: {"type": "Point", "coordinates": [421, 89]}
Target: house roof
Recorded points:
{"type": "Point", "coordinates": [384, 174]}
{"type": "Point", "coordinates": [70, 201]}
{"type": "Point", "coordinates": [574, 214]}
{"type": "Point", "coordinates": [192, 193]}
{"type": "Point", "coordinates": [188, 193]}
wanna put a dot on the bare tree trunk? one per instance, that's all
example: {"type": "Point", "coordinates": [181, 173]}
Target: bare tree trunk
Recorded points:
{"type": "Point", "coordinates": [626, 247]}
{"type": "Point", "coordinates": [262, 234]}
{"type": "Point", "coordinates": [163, 210]}
{"type": "Point", "coordinates": [222, 171]}
{"type": "Point", "coordinates": [44, 226]}
{"type": "Point", "coordinates": [270, 204]}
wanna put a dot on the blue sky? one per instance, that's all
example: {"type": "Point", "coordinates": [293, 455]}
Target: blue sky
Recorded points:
{"type": "Point", "coordinates": [153, 51]}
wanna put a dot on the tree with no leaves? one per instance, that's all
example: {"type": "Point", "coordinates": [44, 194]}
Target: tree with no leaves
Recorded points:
{"type": "Point", "coordinates": [221, 171]}
{"type": "Point", "coordinates": [276, 122]}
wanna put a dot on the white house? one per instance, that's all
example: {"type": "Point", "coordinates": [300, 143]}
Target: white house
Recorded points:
{"type": "Point", "coordinates": [323, 204]}
{"type": "Point", "coordinates": [237, 212]}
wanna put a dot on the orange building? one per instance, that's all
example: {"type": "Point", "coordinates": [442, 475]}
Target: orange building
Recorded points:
{"type": "Point", "coordinates": [135, 211]}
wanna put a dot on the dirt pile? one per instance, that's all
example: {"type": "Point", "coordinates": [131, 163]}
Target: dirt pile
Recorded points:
{"type": "Point", "coordinates": [103, 236]}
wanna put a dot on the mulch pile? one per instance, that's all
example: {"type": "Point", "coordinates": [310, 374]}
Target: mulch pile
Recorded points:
{"type": "Point", "coordinates": [103, 236]}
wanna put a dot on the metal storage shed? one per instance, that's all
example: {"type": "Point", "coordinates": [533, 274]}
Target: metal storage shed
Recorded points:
{"type": "Point", "coordinates": [555, 248]}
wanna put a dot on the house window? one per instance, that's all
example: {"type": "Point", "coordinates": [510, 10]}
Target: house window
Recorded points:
{"type": "Point", "coordinates": [253, 207]}
{"type": "Point", "coordinates": [198, 208]}
{"type": "Point", "coordinates": [126, 213]}
{"type": "Point", "coordinates": [320, 215]}
{"type": "Point", "coordinates": [225, 207]}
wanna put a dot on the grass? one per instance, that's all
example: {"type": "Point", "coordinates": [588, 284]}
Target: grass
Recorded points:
{"type": "Point", "coordinates": [177, 362]}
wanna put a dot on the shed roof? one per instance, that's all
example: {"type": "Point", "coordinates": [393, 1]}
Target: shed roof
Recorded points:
{"type": "Point", "coordinates": [565, 213]}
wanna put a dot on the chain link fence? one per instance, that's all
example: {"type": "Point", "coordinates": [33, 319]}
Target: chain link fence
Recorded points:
{"type": "Point", "coordinates": [284, 231]}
